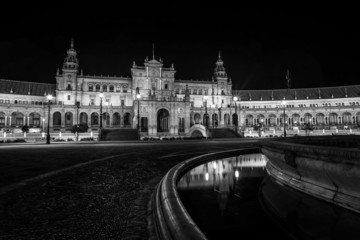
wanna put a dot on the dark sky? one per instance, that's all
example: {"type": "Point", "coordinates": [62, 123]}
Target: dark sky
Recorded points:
{"type": "Point", "coordinates": [257, 47]}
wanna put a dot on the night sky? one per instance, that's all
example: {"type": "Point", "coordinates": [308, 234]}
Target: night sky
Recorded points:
{"type": "Point", "coordinates": [257, 47]}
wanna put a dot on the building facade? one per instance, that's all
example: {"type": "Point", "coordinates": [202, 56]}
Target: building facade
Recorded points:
{"type": "Point", "coordinates": [170, 107]}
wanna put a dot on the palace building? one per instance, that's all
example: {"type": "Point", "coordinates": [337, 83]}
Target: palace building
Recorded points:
{"type": "Point", "coordinates": [165, 106]}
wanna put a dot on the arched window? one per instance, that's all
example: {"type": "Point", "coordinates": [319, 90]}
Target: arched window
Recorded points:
{"type": "Point", "coordinates": [104, 88]}
{"type": "Point", "coordinates": [166, 86]}
{"type": "Point", "coordinates": [200, 91]}
{"type": "Point", "coordinates": [111, 88]}
{"type": "Point", "coordinates": [91, 88]}
{"type": "Point", "coordinates": [97, 88]}
{"type": "Point", "coordinates": [69, 87]}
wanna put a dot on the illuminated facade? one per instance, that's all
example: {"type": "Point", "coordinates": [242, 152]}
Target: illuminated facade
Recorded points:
{"type": "Point", "coordinates": [170, 107]}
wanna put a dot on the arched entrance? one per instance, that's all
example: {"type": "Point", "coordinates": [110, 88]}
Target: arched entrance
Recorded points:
{"type": "Point", "coordinates": [116, 119]}
{"type": "Point", "coordinates": [83, 118]}
{"type": "Point", "coordinates": [163, 120]}
{"type": "Point", "coordinates": [57, 119]}
{"type": "Point", "coordinates": [197, 118]}
{"type": "Point", "coordinates": [127, 120]}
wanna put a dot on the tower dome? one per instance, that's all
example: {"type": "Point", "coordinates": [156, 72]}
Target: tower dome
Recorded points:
{"type": "Point", "coordinates": [71, 62]}
{"type": "Point", "coordinates": [219, 70]}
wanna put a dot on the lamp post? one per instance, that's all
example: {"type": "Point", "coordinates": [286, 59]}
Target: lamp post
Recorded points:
{"type": "Point", "coordinates": [138, 96]}
{"type": "Point", "coordinates": [206, 116]}
{"type": "Point", "coordinates": [260, 126]}
{"type": "Point", "coordinates": [77, 120]}
{"type": "Point", "coordinates": [101, 95]}
{"type": "Point", "coordinates": [237, 119]}
{"type": "Point", "coordinates": [49, 97]}
{"type": "Point", "coordinates": [284, 104]}
{"type": "Point", "coordinates": [213, 116]}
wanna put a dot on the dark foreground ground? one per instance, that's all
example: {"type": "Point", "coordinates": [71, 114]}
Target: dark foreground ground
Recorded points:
{"type": "Point", "coordinates": [104, 196]}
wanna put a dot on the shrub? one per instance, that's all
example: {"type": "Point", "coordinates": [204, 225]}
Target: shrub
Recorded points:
{"type": "Point", "coordinates": [59, 140]}
{"type": "Point", "coordinates": [70, 140]}
{"type": "Point", "coordinates": [25, 129]}
{"type": "Point", "coordinates": [79, 128]}
{"type": "Point", "coordinates": [87, 139]}
{"type": "Point", "coordinates": [19, 140]}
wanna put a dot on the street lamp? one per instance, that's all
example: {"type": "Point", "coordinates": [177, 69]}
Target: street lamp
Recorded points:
{"type": "Point", "coordinates": [206, 116]}
{"type": "Point", "coordinates": [260, 126]}
{"type": "Point", "coordinates": [284, 104]}
{"type": "Point", "coordinates": [77, 120]}
{"type": "Point", "coordinates": [49, 97]}
{"type": "Point", "coordinates": [237, 119]}
{"type": "Point", "coordinates": [138, 96]}
{"type": "Point", "coordinates": [101, 95]}
{"type": "Point", "coordinates": [213, 116]}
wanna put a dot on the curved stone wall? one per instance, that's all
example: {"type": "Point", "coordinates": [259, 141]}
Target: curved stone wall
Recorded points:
{"type": "Point", "coordinates": [169, 218]}
{"type": "Point", "coordinates": [325, 167]}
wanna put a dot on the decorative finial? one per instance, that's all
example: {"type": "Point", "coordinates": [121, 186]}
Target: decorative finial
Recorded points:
{"type": "Point", "coordinates": [134, 65]}
{"type": "Point", "coordinates": [288, 78]}
{"type": "Point", "coordinates": [153, 51]}
{"type": "Point", "coordinates": [346, 92]}
{"type": "Point", "coordinates": [219, 54]}
{"type": "Point", "coordinates": [57, 72]}
{"type": "Point", "coordinates": [72, 43]}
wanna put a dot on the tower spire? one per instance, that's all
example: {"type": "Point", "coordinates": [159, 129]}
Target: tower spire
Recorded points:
{"type": "Point", "coordinates": [153, 51]}
{"type": "Point", "coordinates": [219, 54]}
{"type": "Point", "coordinates": [288, 78]}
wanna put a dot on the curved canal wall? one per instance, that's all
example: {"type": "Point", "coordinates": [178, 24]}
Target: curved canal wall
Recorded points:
{"type": "Point", "coordinates": [169, 218]}
{"type": "Point", "coordinates": [325, 167]}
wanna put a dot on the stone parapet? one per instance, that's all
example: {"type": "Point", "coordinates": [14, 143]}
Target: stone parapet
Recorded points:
{"type": "Point", "coordinates": [325, 167]}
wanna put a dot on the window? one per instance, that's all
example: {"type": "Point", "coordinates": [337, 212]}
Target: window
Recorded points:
{"type": "Point", "coordinates": [206, 92]}
{"type": "Point", "coordinates": [111, 88]}
{"type": "Point", "coordinates": [69, 97]}
{"type": "Point", "coordinates": [176, 91]}
{"type": "Point", "coordinates": [125, 90]}
{"type": "Point", "coordinates": [122, 102]}
{"type": "Point", "coordinates": [91, 88]}
{"type": "Point", "coordinates": [92, 101]}
{"type": "Point", "coordinates": [97, 88]}
{"type": "Point", "coordinates": [104, 88]}
{"type": "Point", "coordinates": [200, 91]}
{"type": "Point", "coordinates": [69, 87]}
{"type": "Point", "coordinates": [15, 101]}
{"type": "Point", "coordinates": [166, 86]}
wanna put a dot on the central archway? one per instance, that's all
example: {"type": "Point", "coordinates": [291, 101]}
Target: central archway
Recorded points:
{"type": "Point", "coordinates": [163, 120]}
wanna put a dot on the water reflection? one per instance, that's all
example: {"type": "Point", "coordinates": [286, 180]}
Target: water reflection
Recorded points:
{"type": "Point", "coordinates": [234, 195]}
{"type": "Point", "coordinates": [306, 217]}
{"type": "Point", "coordinates": [224, 175]}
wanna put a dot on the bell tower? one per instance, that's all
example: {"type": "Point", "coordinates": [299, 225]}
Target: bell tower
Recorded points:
{"type": "Point", "coordinates": [67, 82]}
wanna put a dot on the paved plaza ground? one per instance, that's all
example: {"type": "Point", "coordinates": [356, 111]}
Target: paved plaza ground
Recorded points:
{"type": "Point", "coordinates": [87, 190]}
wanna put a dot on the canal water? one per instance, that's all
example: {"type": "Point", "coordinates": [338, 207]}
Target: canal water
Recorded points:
{"type": "Point", "coordinates": [235, 198]}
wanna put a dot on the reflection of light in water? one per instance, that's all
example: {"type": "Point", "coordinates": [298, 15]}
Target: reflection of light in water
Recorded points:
{"type": "Point", "coordinates": [206, 176]}
{"type": "Point", "coordinates": [237, 173]}
{"type": "Point", "coordinates": [231, 167]}
{"type": "Point", "coordinates": [214, 165]}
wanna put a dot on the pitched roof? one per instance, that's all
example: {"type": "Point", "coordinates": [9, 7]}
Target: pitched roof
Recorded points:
{"type": "Point", "coordinates": [299, 94]}
{"type": "Point", "coordinates": [23, 88]}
